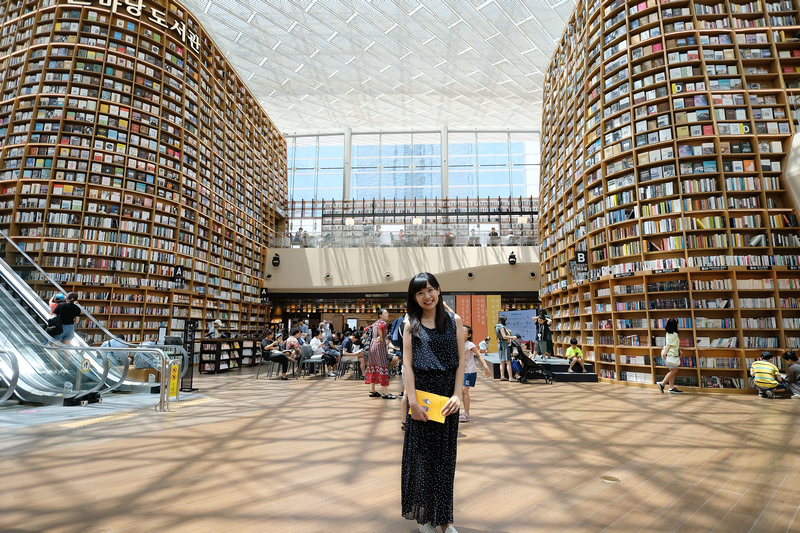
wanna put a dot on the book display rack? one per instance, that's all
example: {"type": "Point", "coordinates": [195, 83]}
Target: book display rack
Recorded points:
{"type": "Point", "coordinates": [220, 355]}
{"type": "Point", "coordinates": [135, 165]}
{"type": "Point", "coordinates": [665, 139]}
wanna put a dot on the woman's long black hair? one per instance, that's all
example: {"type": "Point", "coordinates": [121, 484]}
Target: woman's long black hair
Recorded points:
{"type": "Point", "coordinates": [419, 282]}
{"type": "Point", "coordinates": [672, 326]}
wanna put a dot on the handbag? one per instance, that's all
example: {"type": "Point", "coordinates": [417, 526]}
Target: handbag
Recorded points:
{"type": "Point", "coordinates": [54, 326]}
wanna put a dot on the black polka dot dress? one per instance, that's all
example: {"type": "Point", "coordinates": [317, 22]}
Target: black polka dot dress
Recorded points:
{"type": "Point", "coordinates": [429, 448]}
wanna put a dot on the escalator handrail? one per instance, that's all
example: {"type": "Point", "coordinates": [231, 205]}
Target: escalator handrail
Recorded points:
{"type": "Point", "coordinates": [54, 282]}
{"type": "Point", "coordinates": [12, 382]}
{"type": "Point", "coordinates": [89, 315]}
{"type": "Point", "coordinates": [68, 348]}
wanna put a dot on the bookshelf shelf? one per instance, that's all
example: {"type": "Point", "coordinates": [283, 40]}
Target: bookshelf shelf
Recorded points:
{"type": "Point", "coordinates": [114, 171]}
{"type": "Point", "coordinates": [674, 172]}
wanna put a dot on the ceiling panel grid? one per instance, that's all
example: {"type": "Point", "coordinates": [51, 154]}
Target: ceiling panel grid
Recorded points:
{"type": "Point", "coordinates": [326, 65]}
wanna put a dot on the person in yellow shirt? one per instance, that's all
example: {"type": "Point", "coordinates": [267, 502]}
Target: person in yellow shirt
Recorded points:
{"type": "Point", "coordinates": [575, 355]}
{"type": "Point", "coordinates": [766, 376]}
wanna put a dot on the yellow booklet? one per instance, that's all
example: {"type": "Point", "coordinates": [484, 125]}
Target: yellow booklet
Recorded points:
{"type": "Point", "coordinates": [432, 404]}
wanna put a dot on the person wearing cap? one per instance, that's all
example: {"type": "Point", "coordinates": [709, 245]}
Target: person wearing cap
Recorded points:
{"type": "Point", "coordinates": [58, 298]}
{"type": "Point", "coordinates": [213, 329]}
{"type": "Point", "coordinates": [766, 376]}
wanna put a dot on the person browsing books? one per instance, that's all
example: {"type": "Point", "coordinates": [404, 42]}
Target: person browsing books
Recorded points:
{"type": "Point", "coordinates": [671, 354]}
{"type": "Point", "coordinates": [792, 373]}
{"type": "Point", "coordinates": [766, 376]}
{"type": "Point", "coordinates": [433, 364]}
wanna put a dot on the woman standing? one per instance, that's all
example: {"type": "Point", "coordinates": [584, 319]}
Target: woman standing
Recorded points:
{"type": "Point", "coordinates": [433, 361]}
{"type": "Point", "coordinates": [378, 359]}
{"type": "Point", "coordinates": [503, 349]}
{"type": "Point", "coordinates": [671, 352]}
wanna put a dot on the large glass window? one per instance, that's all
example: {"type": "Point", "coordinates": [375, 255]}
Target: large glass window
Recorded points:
{"type": "Point", "coordinates": [409, 165]}
{"type": "Point", "coordinates": [396, 165]}
{"type": "Point", "coordinates": [316, 167]}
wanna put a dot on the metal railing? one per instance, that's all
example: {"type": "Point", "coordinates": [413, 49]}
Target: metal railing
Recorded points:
{"type": "Point", "coordinates": [89, 316]}
{"type": "Point", "coordinates": [131, 348]}
{"type": "Point", "coordinates": [377, 237]}
{"type": "Point", "coordinates": [9, 372]}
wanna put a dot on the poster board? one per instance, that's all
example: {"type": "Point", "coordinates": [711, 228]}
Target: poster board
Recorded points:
{"type": "Point", "coordinates": [521, 323]}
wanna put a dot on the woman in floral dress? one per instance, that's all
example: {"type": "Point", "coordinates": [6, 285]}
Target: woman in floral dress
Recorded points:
{"type": "Point", "coordinates": [378, 358]}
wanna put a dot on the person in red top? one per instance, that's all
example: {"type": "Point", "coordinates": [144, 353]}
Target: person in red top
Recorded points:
{"type": "Point", "coordinates": [377, 360]}
{"type": "Point", "coordinates": [55, 301]}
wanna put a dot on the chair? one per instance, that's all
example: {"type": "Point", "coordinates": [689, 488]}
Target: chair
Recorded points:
{"type": "Point", "coordinates": [272, 364]}
{"type": "Point", "coordinates": [307, 358]}
{"type": "Point", "coordinates": [345, 362]}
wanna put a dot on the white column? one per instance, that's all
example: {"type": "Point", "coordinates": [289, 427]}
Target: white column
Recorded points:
{"type": "Point", "coordinates": [348, 153]}
{"type": "Point", "coordinates": [445, 159]}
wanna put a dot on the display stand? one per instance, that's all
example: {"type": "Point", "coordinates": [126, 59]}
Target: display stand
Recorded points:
{"type": "Point", "coordinates": [189, 334]}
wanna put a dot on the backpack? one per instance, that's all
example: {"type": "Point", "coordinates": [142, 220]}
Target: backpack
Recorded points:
{"type": "Point", "coordinates": [54, 326]}
{"type": "Point", "coordinates": [497, 329]}
{"type": "Point", "coordinates": [397, 334]}
{"type": "Point", "coordinates": [366, 340]}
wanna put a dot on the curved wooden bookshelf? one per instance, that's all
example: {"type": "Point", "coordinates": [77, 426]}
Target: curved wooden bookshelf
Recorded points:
{"type": "Point", "coordinates": [665, 137]}
{"type": "Point", "coordinates": [130, 148]}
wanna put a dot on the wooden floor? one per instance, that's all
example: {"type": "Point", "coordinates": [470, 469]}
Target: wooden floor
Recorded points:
{"type": "Point", "coordinates": [311, 456]}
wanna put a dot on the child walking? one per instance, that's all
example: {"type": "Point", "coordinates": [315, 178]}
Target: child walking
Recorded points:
{"type": "Point", "coordinates": [471, 356]}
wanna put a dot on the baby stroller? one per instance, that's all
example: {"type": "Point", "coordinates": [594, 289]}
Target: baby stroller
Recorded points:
{"type": "Point", "coordinates": [530, 369]}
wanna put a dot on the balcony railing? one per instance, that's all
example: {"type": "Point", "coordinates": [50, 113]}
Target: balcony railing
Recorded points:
{"type": "Point", "coordinates": [375, 237]}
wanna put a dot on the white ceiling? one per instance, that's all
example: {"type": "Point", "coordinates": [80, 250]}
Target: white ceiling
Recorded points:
{"type": "Point", "coordinates": [325, 65]}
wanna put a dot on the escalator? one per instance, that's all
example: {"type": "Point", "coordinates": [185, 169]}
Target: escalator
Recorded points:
{"type": "Point", "coordinates": [46, 373]}
{"type": "Point", "coordinates": [9, 375]}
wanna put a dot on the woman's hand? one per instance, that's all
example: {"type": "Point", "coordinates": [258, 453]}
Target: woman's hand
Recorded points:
{"type": "Point", "coordinates": [453, 406]}
{"type": "Point", "coordinates": [487, 372]}
{"type": "Point", "coordinates": [418, 413]}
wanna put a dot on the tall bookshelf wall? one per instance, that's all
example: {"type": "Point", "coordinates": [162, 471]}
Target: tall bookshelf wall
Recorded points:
{"type": "Point", "coordinates": [665, 139]}
{"type": "Point", "coordinates": [129, 147]}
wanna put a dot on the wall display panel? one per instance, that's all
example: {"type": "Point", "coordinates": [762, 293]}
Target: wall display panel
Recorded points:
{"type": "Point", "coordinates": [665, 140]}
{"type": "Point", "coordinates": [135, 165]}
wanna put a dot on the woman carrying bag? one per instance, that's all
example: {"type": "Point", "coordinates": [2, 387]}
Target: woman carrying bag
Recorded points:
{"type": "Point", "coordinates": [433, 362]}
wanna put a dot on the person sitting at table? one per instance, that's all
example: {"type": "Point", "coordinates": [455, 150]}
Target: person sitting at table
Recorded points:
{"type": "Point", "coordinates": [270, 352]}
{"type": "Point", "coordinates": [474, 240]}
{"type": "Point", "coordinates": [510, 239]}
{"type": "Point", "coordinates": [214, 329]}
{"type": "Point", "coordinates": [494, 237]}
{"type": "Point", "coordinates": [350, 349]}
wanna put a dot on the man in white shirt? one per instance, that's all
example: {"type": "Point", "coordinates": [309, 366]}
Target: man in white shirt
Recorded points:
{"type": "Point", "coordinates": [318, 351]}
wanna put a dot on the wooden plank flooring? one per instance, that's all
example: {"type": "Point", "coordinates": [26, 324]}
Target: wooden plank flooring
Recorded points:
{"type": "Point", "coordinates": [307, 456]}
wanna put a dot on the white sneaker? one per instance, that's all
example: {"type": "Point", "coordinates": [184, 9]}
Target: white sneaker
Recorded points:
{"type": "Point", "coordinates": [331, 374]}
{"type": "Point", "coordinates": [571, 371]}
{"type": "Point", "coordinates": [427, 528]}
